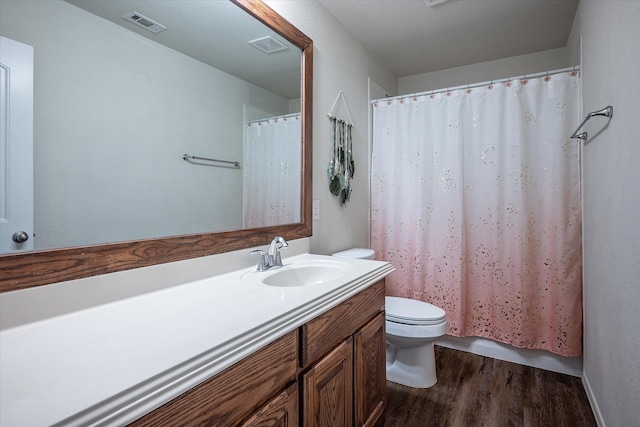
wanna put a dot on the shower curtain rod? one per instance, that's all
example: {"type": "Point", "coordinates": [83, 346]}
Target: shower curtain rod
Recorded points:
{"type": "Point", "coordinates": [266, 119]}
{"type": "Point", "coordinates": [474, 85]}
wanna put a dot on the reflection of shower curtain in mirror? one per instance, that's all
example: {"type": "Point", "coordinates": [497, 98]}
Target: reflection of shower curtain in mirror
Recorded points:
{"type": "Point", "coordinates": [272, 158]}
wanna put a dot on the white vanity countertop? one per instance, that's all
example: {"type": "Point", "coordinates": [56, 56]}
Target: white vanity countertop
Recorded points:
{"type": "Point", "coordinates": [111, 364]}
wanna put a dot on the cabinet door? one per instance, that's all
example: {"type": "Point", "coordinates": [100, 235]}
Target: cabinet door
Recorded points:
{"type": "Point", "coordinates": [281, 411]}
{"type": "Point", "coordinates": [328, 389]}
{"type": "Point", "coordinates": [370, 376]}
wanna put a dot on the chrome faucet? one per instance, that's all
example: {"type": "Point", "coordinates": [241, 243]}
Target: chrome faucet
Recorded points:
{"type": "Point", "coordinates": [273, 258]}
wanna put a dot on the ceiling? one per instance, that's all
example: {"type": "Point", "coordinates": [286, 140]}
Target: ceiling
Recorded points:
{"type": "Point", "coordinates": [411, 38]}
{"type": "Point", "coordinates": [406, 35]}
{"type": "Point", "coordinates": [213, 32]}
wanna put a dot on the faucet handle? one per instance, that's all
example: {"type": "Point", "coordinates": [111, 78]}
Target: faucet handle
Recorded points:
{"type": "Point", "coordinates": [262, 260]}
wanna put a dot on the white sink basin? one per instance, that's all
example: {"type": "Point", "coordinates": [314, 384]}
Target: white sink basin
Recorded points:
{"type": "Point", "coordinates": [304, 275]}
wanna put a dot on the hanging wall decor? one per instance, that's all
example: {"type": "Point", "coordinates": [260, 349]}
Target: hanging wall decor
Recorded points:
{"type": "Point", "coordinates": [341, 166]}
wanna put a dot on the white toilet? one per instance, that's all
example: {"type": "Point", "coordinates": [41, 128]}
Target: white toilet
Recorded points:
{"type": "Point", "coordinates": [412, 327]}
{"type": "Point", "coordinates": [360, 253]}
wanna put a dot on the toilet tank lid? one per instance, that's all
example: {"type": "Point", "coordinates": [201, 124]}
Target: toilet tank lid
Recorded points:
{"type": "Point", "coordinates": [412, 310]}
{"type": "Point", "coordinates": [360, 253]}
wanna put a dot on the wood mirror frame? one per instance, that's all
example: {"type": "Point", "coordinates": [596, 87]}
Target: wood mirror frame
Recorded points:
{"type": "Point", "coordinates": [20, 271]}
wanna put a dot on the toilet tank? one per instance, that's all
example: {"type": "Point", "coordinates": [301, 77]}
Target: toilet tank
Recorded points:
{"type": "Point", "coordinates": [360, 253]}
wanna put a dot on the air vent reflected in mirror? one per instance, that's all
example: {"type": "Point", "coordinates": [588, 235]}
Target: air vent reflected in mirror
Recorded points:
{"type": "Point", "coordinates": [268, 45]}
{"type": "Point", "coordinates": [144, 22]}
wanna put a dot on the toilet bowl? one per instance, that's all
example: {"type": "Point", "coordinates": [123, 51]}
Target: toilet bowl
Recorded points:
{"type": "Point", "coordinates": [412, 327]}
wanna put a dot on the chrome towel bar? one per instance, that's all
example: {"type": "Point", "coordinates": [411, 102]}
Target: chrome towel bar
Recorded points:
{"type": "Point", "coordinates": [188, 157]}
{"type": "Point", "coordinates": [605, 112]}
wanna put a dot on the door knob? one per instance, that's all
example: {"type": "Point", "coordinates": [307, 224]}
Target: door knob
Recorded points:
{"type": "Point", "coordinates": [20, 237]}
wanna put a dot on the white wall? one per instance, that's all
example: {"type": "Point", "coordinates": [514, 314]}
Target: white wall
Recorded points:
{"type": "Point", "coordinates": [116, 111]}
{"type": "Point", "coordinates": [340, 63]}
{"type": "Point", "coordinates": [610, 34]}
{"type": "Point", "coordinates": [547, 60]}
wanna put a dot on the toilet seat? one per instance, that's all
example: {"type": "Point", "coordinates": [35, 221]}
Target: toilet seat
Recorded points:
{"type": "Point", "coordinates": [413, 312]}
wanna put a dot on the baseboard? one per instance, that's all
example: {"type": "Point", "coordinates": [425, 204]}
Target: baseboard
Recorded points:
{"type": "Point", "coordinates": [592, 401]}
{"type": "Point", "coordinates": [535, 358]}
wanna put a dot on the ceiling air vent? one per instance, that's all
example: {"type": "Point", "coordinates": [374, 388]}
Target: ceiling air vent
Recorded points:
{"type": "Point", "coordinates": [268, 45]}
{"type": "Point", "coordinates": [144, 22]}
{"type": "Point", "coordinates": [433, 2]}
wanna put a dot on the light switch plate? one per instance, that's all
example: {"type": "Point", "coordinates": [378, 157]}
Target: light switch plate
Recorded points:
{"type": "Point", "coordinates": [316, 209]}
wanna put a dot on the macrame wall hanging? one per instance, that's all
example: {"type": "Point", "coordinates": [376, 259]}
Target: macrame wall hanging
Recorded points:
{"type": "Point", "coordinates": [341, 166]}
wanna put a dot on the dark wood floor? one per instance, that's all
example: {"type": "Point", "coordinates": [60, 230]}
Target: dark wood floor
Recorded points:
{"type": "Point", "coordinates": [474, 390]}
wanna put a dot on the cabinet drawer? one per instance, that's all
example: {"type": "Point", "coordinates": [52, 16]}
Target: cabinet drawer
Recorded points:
{"type": "Point", "coordinates": [236, 392]}
{"type": "Point", "coordinates": [326, 331]}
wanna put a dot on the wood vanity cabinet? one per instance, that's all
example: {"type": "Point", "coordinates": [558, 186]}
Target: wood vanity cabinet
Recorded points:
{"type": "Point", "coordinates": [281, 411]}
{"type": "Point", "coordinates": [370, 377]}
{"type": "Point", "coordinates": [328, 389]}
{"type": "Point", "coordinates": [329, 372]}
{"type": "Point", "coordinates": [344, 351]}
{"type": "Point", "coordinates": [245, 390]}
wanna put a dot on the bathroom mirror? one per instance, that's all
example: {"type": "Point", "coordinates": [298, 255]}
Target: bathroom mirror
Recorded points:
{"type": "Point", "coordinates": [54, 264]}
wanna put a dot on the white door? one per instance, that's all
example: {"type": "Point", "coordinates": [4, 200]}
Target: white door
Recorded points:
{"type": "Point", "coordinates": [16, 146]}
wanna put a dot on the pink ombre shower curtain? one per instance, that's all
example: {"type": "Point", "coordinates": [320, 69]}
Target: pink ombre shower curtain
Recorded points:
{"type": "Point", "coordinates": [476, 202]}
